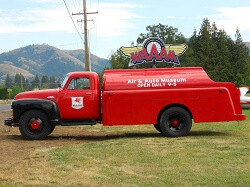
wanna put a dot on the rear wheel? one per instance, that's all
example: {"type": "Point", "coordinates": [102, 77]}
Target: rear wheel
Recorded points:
{"type": "Point", "coordinates": [175, 122]}
{"type": "Point", "coordinates": [157, 127]}
{"type": "Point", "coordinates": [34, 125]}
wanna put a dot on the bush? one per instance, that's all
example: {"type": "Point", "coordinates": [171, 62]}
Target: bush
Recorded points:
{"type": "Point", "coordinates": [3, 93]}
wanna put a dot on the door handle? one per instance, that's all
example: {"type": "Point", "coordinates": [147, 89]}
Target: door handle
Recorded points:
{"type": "Point", "coordinates": [50, 97]}
{"type": "Point", "coordinates": [88, 93]}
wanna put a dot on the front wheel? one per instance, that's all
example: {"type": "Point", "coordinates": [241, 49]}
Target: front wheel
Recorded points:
{"type": "Point", "coordinates": [34, 125]}
{"type": "Point", "coordinates": [175, 122]}
{"type": "Point", "coordinates": [52, 129]}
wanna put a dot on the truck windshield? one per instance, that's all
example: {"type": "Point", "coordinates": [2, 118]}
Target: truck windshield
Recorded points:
{"type": "Point", "coordinates": [65, 80]}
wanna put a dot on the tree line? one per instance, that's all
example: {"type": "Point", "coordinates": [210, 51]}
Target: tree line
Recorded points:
{"type": "Point", "coordinates": [19, 84]}
{"type": "Point", "coordinates": [223, 58]}
{"type": "Point", "coordinates": [22, 82]}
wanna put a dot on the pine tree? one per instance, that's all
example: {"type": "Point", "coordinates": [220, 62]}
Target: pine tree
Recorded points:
{"type": "Point", "coordinates": [189, 58]}
{"type": "Point", "coordinates": [248, 70]}
{"type": "Point", "coordinates": [22, 81]}
{"type": "Point", "coordinates": [44, 79]}
{"type": "Point", "coordinates": [45, 82]}
{"type": "Point", "coordinates": [205, 46]}
{"type": "Point", "coordinates": [58, 82]}
{"type": "Point", "coordinates": [26, 84]}
{"type": "Point", "coordinates": [8, 81]}
{"type": "Point", "coordinates": [221, 69]}
{"type": "Point", "coordinates": [17, 80]}
{"type": "Point", "coordinates": [52, 82]}
{"type": "Point", "coordinates": [240, 60]}
{"type": "Point", "coordinates": [35, 83]}
{"type": "Point", "coordinates": [221, 57]}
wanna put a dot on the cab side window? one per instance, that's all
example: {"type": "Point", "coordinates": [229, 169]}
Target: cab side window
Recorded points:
{"type": "Point", "coordinates": [79, 84]}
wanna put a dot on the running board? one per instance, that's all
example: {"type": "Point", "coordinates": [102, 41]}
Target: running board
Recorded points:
{"type": "Point", "coordinates": [79, 122]}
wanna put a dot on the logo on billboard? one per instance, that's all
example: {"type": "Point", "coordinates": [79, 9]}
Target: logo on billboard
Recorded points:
{"type": "Point", "coordinates": [154, 50]}
{"type": "Point", "coordinates": [77, 102]}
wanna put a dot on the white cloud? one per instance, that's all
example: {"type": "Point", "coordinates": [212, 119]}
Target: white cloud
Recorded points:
{"type": "Point", "coordinates": [35, 20]}
{"type": "Point", "coordinates": [231, 18]}
{"type": "Point", "coordinates": [116, 19]}
{"type": "Point", "coordinates": [113, 19]}
{"type": "Point", "coordinates": [44, 1]}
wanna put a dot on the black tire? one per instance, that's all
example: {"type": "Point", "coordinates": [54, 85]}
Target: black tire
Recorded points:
{"type": "Point", "coordinates": [34, 125]}
{"type": "Point", "coordinates": [157, 127]}
{"type": "Point", "coordinates": [52, 129]}
{"type": "Point", "coordinates": [175, 122]}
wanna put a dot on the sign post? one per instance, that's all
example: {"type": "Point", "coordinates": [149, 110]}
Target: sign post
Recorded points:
{"type": "Point", "coordinates": [9, 90]}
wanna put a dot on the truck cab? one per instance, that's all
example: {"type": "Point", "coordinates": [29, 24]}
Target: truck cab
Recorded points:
{"type": "Point", "coordinates": [79, 98]}
{"type": "Point", "coordinates": [77, 102]}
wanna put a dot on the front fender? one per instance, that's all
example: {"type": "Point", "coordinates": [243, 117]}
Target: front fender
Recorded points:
{"type": "Point", "coordinates": [23, 105]}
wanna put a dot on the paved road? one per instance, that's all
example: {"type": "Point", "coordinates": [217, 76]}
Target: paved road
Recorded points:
{"type": "Point", "coordinates": [5, 107]}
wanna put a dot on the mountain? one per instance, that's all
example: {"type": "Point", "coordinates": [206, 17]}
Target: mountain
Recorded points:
{"type": "Point", "coordinates": [97, 63]}
{"type": "Point", "coordinates": [46, 60]}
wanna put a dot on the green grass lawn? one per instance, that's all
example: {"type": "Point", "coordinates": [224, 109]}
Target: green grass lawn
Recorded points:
{"type": "Point", "coordinates": [213, 154]}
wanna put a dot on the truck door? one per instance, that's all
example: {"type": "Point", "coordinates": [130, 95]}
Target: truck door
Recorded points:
{"type": "Point", "coordinates": [77, 99]}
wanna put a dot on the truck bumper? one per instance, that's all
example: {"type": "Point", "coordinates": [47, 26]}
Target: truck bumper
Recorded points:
{"type": "Point", "coordinates": [8, 122]}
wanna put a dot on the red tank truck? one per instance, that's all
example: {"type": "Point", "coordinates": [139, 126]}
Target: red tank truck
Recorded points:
{"type": "Point", "coordinates": [168, 98]}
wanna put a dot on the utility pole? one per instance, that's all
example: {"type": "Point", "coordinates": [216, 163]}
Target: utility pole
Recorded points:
{"type": "Point", "coordinates": [85, 21]}
{"type": "Point", "coordinates": [86, 36]}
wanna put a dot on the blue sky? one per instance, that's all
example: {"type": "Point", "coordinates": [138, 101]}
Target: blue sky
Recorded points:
{"type": "Point", "coordinates": [25, 22]}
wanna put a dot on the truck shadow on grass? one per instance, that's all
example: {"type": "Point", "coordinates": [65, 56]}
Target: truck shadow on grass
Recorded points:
{"type": "Point", "coordinates": [208, 133]}
{"type": "Point", "coordinates": [134, 135]}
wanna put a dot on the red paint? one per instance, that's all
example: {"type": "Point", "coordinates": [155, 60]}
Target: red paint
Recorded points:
{"type": "Point", "coordinates": [137, 96]}
{"type": "Point", "coordinates": [77, 100]}
{"type": "Point", "coordinates": [34, 125]}
{"type": "Point", "coordinates": [175, 122]}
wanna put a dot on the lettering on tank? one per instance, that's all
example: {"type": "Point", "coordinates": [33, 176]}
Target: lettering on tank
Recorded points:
{"type": "Point", "coordinates": [153, 83]}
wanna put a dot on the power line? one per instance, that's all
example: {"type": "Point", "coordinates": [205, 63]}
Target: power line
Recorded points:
{"type": "Point", "coordinates": [85, 20]}
{"type": "Point", "coordinates": [67, 44]}
{"type": "Point", "coordinates": [73, 21]}
{"type": "Point", "coordinates": [96, 27]}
